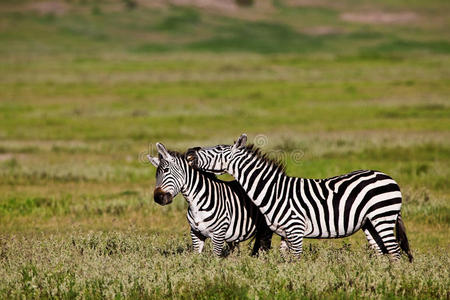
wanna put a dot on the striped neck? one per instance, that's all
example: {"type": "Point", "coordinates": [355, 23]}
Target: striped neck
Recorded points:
{"type": "Point", "coordinates": [256, 172]}
{"type": "Point", "coordinates": [193, 179]}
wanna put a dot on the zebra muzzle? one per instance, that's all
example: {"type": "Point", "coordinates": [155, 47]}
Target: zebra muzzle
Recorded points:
{"type": "Point", "coordinates": [161, 197]}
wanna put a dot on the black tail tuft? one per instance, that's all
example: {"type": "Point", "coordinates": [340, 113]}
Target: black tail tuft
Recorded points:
{"type": "Point", "coordinates": [401, 238]}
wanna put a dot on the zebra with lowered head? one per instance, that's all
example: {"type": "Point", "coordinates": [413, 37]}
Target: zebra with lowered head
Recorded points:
{"type": "Point", "coordinates": [297, 208]}
{"type": "Point", "coordinates": [220, 210]}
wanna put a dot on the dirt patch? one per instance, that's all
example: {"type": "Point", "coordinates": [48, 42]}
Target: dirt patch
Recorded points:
{"type": "Point", "coordinates": [49, 8]}
{"type": "Point", "coordinates": [379, 17]}
{"type": "Point", "coordinates": [311, 3]}
{"type": "Point", "coordinates": [5, 156]}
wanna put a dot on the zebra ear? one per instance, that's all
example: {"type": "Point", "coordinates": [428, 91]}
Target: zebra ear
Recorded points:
{"type": "Point", "coordinates": [240, 143]}
{"type": "Point", "coordinates": [153, 160]}
{"type": "Point", "coordinates": [163, 151]}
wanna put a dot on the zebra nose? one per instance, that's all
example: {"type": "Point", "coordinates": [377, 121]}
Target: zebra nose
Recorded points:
{"type": "Point", "coordinates": [161, 197]}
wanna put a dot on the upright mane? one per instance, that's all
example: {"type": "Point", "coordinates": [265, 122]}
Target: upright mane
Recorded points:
{"type": "Point", "coordinates": [183, 157]}
{"type": "Point", "coordinates": [177, 154]}
{"type": "Point", "coordinates": [278, 164]}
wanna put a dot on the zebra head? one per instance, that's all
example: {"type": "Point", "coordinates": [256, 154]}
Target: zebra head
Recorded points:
{"type": "Point", "coordinates": [169, 175]}
{"type": "Point", "coordinates": [215, 159]}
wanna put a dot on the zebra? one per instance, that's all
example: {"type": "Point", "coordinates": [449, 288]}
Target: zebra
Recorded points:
{"type": "Point", "coordinates": [220, 210]}
{"type": "Point", "coordinates": [297, 208]}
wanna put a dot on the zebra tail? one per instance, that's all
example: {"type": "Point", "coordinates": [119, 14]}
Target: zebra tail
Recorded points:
{"type": "Point", "coordinates": [401, 237]}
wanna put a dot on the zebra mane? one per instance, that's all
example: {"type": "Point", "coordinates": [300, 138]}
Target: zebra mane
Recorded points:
{"type": "Point", "coordinates": [183, 157]}
{"type": "Point", "coordinates": [177, 154]}
{"type": "Point", "coordinates": [278, 164]}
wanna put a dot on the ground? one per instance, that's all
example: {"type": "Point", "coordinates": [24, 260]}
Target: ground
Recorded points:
{"type": "Point", "coordinates": [88, 88]}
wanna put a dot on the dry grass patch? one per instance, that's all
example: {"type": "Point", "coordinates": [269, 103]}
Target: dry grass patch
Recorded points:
{"type": "Point", "coordinates": [380, 17]}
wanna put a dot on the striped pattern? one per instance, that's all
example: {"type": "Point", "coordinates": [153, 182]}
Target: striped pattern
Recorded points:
{"type": "Point", "coordinates": [219, 210]}
{"type": "Point", "coordinates": [296, 208]}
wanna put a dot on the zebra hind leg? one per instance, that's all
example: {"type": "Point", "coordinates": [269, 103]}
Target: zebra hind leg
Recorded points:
{"type": "Point", "coordinates": [380, 234]}
{"type": "Point", "coordinates": [284, 246]}
{"type": "Point", "coordinates": [263, 241]}
{"type": "Point", "coordinates": [372, 244]}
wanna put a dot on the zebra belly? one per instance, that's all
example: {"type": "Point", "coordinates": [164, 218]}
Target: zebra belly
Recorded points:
{"type": "Point", "coordinates": [332, 235]}
{"type": "Point", "coordinates": [202, 228]}
{"type": "Point", "coordinates": [197, 221]}
{"type": "Point", "coordinates": [238, 235]}
{"type": "Point", "coordinates": [245, 229]}
{"type": "Point", "coordinates": [319, 230]}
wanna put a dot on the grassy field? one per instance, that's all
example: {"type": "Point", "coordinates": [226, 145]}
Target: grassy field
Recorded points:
{"type": "Point", "coordinates": [88, 87]}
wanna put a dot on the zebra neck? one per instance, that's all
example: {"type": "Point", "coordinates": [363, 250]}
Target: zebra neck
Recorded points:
{"type": "Point", "coordinates": [194, 184]}
{"type": "Point", "coordinates": [259, 178]}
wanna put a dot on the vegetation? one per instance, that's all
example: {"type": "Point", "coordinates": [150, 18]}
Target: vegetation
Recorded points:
{"type": "Point", "coordinates": [87, 88]}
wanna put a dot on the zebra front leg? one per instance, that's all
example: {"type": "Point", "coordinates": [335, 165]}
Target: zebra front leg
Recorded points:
{"type": "Point", "coordinates": [218, 240]}
{"type": "Point", "coordinates": [232, 247]}
{"type": "Point", "coordinates": [198, 241]}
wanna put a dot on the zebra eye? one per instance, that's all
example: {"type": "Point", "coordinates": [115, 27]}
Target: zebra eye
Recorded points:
{"type": "Point", "coordinates": [165, 170]}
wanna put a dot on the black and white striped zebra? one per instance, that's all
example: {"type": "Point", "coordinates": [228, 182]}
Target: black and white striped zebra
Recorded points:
{"type": "Point", "coordinates": [295, 207]}
{"type": "Point", "coordinates": [220, 210]}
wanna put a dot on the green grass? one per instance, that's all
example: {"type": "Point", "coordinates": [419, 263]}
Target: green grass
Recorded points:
{"type": "Point", "coordinates": [85, 93]}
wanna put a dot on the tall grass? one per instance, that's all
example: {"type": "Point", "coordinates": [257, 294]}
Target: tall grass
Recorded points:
{"type": "Point", "coordinates": [128, 264]}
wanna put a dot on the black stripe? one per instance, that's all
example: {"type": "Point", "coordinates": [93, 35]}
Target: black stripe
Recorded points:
{"type": "Point", "coordinates": [324, 205]}
{"type": "Point", "coordinates": [262, 182]}
{"type": "Point", "coordinates": [301, 203]}
{"type": "Point", "coordinates": [306, 188]}
{"type": "Point", "coordinates": [279, 187]}
{"type": "Point", "coordinates": [267, 197]}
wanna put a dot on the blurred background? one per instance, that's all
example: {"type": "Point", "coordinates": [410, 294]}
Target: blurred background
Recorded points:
{"type": "Point", "coordinates": [87, 87]}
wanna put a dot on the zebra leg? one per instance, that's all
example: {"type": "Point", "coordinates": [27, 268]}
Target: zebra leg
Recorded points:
{"type": "Point", "coordinates": [198, 241]}
{"type": "Point", "coordinates": [284, 247]}
{"type": "Point", "coordinates": [218, 240]}
{"type": "Point", "coordinates": [372, 244]}
{"type": "Point", "coordinates": [295, 242]}
{"type": "Point", "coordinates": [263, 242]}
{"type": "Point", "coordinates": [263, 237]}
{"type": "Point", "coordinates": [257, 245]}
{"type": "Point", "coordinates": [381, 233]}
{"type": "Point", "coordinates": [232, 246]}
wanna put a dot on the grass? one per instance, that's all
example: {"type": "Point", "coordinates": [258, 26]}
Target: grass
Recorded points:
{"type": "Point", "coordinates": [130, 264]}
{"type": "Point", "coordinates": [86, 92]}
